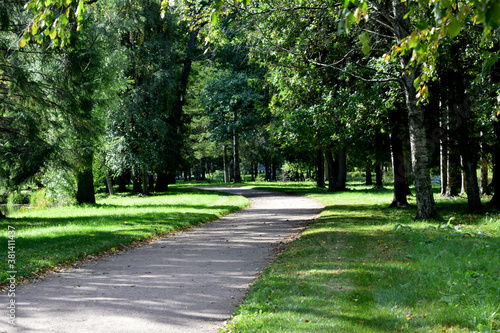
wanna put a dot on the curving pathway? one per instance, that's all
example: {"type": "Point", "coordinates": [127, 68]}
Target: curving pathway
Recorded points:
{"type": "Point", "coordinates": [188, 282]}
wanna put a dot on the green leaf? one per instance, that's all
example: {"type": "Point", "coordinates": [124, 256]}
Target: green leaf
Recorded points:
{"type": "Point", "coordinates": [413, 41]}
{"type": "Point", "coordinates": [366, 49]}
{"type": "Point", "coordinates": [53, 33]}
{"type": "Point", "coordinates": [417, 81]}
{"type": "Point", "coordinates": [26, 36]}
{"type": "Point", "coordinates": [80, 9]}
{"type": "Point", "coordinates": [214, 18]}
{"type": "Point", "coordinates": [454, 27]}
{"type": "Point", "coordinates": [492, 15]}
{"type": "Point", "coordinates": [39, 38]}
{"type": "Point", "coordinates": [364, 37]}
{"type": "Point", "coordinates": [422, 25]}
{"type": "Point", "coordinates": [64, 21]}
{"type": "Point", "coordinates": [34, 28]}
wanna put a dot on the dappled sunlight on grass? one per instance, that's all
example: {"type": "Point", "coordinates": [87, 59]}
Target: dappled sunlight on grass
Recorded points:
{"type": "Point", "coordinates": [363, 267]}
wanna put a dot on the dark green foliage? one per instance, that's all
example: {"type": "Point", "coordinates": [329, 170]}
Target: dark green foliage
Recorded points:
{"type": "Point", "coordinates": [143, 132]}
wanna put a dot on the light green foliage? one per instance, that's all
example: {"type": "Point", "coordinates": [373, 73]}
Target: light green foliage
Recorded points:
{"type": "Point", "coordinates": [18, 198]}
{"type": "Point", "coordinates": [53, 21]}
{"type": "Point", "coordinates": [60, 183]}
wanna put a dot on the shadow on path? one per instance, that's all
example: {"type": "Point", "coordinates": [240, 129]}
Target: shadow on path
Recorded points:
{"type": "Point", "coordinates": [188, 282]}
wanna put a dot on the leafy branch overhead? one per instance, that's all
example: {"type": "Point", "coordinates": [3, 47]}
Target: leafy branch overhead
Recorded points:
{"type": "Point", "coordinates": [53, 20]}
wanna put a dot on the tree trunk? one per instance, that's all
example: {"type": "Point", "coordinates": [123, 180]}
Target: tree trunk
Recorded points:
{"type": "Point", "coordinates": [109, 185]}
{"type": "Point", "coordinates": [461, 121]}
{"type": "Point", "coordinates": [408, 171]}
{"type": "Point", "coordinates": [331, 170]}
{"type": "Point", "coordinates": [463, 180]}
{"type": "Point", "coordinates": [268, 173]}
{"type": "Point", "coordinates": [443, 162]}
{"type": "Point", "coordinates": [85, 181]}
{"type": "Point", "coordinates": [423, 187]}
{"type": "Point", "coordinates": [162, 182]}
{"type": "Point", "coordinates": [236, 148]}
{"type": "Point", "coordinates": [203, 169]}
{"type": "Point", "coordinates": [137, 188]}
{"type": "Point", "coordinates": [398, 159]}
{"type": "Point", "coordinates": [225, 162]}
{"type": "Point", "coordinates": [340, 184]}
{"type": "Point", "coordinates": [252, 178]}
{"type": "Point", "coordinates": [122, 183]}
{"type": "Point", "coordinates": [453, 166]}
{"type": "Point", "coordinates": [485, 190]}
{"type": "Point", "coordinates": [145, 183]}
{"type": "Point", "coordinates": [495, 201]}
{"type": "Point", "coordinates": [171, 178]}
{"type": "Point", "coordinates": [418, 142]}
{"type": "Point", "coordinates": [320, 169]}
{"type": "Point", "coordinates": [379, 176]}
{"type": "Point", "coordinates": [151, 183]}
{"type": "Point", "coordinates": [368, 176]}
{"type": "Point", "coordinates": [186, 70]}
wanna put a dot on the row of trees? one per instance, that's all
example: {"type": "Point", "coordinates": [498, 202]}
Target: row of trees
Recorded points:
{"type": "Point", "coordinates": [355, 74]}
{"type": "Point", "coordinates": [119, 92]}
{"type": "Point", "coordinates": [105, 101]}
{"type": "Point", "coordinates": [116, 85]}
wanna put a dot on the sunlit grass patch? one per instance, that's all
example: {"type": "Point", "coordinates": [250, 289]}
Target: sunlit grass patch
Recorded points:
{"type": "Point", "coordinates": [48, 238]}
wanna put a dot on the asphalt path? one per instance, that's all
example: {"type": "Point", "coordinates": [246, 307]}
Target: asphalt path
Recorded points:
{"type": "Point", "coordinates": [191, 281]}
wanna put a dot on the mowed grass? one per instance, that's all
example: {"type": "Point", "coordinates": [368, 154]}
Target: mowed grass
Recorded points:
{"type": "Point", "coordinates": [363, 267]}
{"type": "Point", "coordinates": [57, 237]}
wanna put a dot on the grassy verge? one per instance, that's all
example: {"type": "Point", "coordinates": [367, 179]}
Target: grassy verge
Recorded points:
{"type": "Point", "coordinates": [52, 238]}
{"type": "Point", "coordinates": [366, 268]}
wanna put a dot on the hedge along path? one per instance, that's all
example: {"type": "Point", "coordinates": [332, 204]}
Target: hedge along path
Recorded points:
{"type": "Point", "coordinates": [191, 281]}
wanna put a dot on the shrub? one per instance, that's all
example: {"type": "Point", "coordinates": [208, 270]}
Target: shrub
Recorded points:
{"type": "Point", "coordinates": [18, 198]}
{"type": "Point", "coordinates": [39, 199]}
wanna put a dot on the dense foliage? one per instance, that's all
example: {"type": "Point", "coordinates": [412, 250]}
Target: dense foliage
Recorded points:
{"type": "Point", "coordinates": [140, 90]}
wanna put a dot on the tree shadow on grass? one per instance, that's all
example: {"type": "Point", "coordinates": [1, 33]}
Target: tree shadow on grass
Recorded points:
{"type": "Point", "coordinates": [105, 219]}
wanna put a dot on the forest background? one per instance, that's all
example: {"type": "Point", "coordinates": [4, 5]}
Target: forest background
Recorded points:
{"type": "Point", "coordinates": [142, 91]}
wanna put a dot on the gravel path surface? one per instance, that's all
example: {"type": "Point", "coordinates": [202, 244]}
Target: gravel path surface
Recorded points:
{"type": "Point", "coordinates": [188, 282]}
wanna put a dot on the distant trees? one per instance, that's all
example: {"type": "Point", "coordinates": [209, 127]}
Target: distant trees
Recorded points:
{"type": "Point", "coordinates": [232, 106]}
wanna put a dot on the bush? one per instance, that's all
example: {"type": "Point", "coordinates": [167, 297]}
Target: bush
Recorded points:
{"type": "Point", "coordinates": [39, 199]}
{"type": "Point", "coordinates": [3, 196]}
{"type": "Point", "coordinates": [18, 198]}
{"type": "Point", "coordinates": [60, 185]}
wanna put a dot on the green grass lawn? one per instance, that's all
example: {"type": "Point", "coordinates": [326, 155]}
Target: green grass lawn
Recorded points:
{"type": "Point", "coordinates": [365, 268]}
{"type": "Point", "coordinates": [50, 238]}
